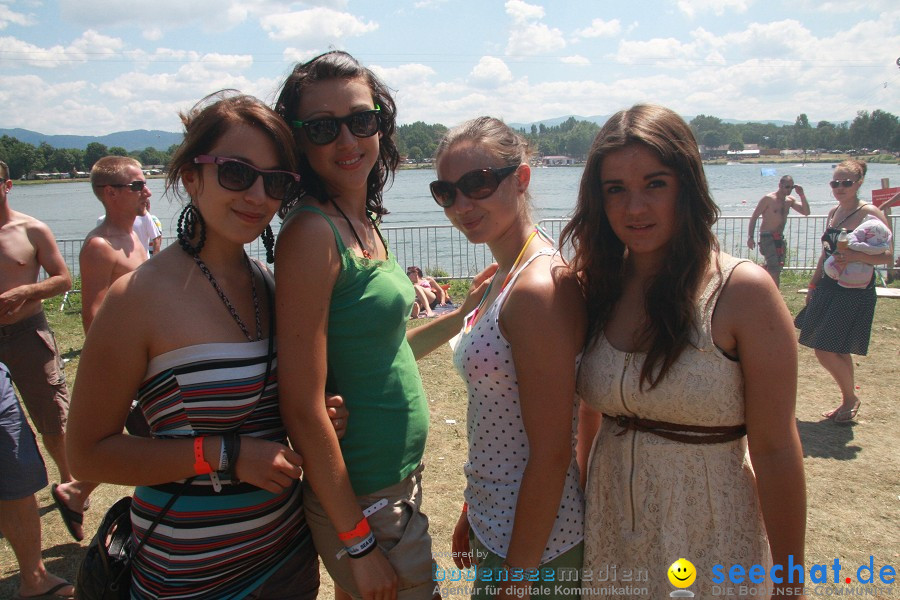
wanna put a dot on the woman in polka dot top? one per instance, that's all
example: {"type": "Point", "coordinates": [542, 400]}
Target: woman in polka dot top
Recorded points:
{"type": "Point", "coordinates": [518, 353]}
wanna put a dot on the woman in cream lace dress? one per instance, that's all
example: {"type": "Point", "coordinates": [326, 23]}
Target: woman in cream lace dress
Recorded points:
{"type": "Point", "coordinates": [692, 363]}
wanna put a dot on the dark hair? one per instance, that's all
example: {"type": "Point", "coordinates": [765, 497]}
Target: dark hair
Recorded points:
{"type": "Point", "coordinates": [340, 65]}
{"type": "Point", "coordinates": [599, 256]}
{"type": "Point", "coordinates": [211, 118]}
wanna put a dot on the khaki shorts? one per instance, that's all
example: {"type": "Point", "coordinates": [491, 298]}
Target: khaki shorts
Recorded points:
{"type": "Point", "coordinates": [401, 529]}
{"type": "Point", "coordinates": [28, 348]}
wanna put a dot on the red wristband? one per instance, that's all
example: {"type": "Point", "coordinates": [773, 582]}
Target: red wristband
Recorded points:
{"type": "Point", "coordinates": [201, 467]}
{"type": "Point", "coordinates": [362, 529]}
{"type": "Point", "coordinates": [465, 508]}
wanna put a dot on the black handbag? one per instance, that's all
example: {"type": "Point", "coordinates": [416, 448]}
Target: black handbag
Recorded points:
{"type": "Point", "coordinates": [105, 570]}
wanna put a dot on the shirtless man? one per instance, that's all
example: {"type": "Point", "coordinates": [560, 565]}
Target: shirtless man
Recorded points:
{"type": "Point", "coordinates": [112, 249]}
{"type": "Point", "coordinates": [774, 208]}
{"type": "Point", "coordinates": [27, 345]}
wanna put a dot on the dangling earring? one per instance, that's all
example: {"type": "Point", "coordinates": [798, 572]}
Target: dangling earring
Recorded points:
{"type": "Point", "coordinates": [268, 240]}
{"type": "Point", "coordinates": [189, 222]}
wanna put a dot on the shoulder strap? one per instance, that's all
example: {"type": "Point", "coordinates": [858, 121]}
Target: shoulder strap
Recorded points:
{"type": "Point", "coordinates": [319, 211]}
{"type": "Point", "coordinates": [501, 297]}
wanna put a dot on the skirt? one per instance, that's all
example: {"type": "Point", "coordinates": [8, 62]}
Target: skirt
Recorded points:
{"type": "Point", "coordinates": [838, 319]}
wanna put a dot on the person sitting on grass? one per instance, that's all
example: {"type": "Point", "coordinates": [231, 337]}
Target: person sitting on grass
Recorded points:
{"type": "Point", "coordinates": [429, 293]}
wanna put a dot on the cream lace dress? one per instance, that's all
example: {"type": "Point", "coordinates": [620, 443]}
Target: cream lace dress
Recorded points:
{"type": "Point", "coordinates": [649, 500]}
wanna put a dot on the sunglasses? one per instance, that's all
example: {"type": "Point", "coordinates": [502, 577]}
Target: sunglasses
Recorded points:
{"type": "Point", "coordinates": [237, 176]}
{"type": "Point", "coordinates": [834, 183]}
{"type": "Point", "coordinates": [323, 131]}
{"type": "Point", "coordinates": [477, 185]}
{"type": "Point", "coordinates": [135, 186]}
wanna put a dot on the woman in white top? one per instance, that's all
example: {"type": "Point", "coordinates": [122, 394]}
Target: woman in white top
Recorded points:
{"type": "Point", "coordinates": [518, 353]}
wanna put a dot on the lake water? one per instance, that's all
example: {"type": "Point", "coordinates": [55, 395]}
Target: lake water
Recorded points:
{"type": "Point", "coordinates": [71, 209]}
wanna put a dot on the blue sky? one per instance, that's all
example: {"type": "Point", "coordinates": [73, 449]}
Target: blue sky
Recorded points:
{"type": "Point", "coordinates": [93, 67]}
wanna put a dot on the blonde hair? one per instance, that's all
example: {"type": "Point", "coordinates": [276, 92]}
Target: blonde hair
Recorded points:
{"type": "Point", "coordinates": [855, 166]}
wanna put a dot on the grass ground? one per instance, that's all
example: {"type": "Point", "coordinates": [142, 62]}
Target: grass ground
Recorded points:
{"type": "Point", "coordinates": [852, 471]}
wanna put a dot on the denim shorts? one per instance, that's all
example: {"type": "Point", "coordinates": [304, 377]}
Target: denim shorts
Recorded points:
{"type": "Point", "coordinates": [21, 464]}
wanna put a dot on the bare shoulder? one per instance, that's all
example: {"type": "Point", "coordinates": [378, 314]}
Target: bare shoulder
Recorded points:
{"type": "Point", "coordinates": [547, 285]}
{"type": "Point", "coordinates": [95, 247]}
{"type": "Point", "coordinates": [871, 209]}
{"type": "Point", "coordinates": [749, 293]}
{"type": "Point", "coordinates": [306, 239]}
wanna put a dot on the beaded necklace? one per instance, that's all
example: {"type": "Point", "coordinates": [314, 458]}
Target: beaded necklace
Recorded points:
{"type": "Point", "coordinates": [365, 253]}
{"type": "Point", "coordinates": [237, 319]}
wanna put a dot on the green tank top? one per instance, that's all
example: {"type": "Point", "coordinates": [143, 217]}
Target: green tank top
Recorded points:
{"type": "Point", "coordinates": [372, 366]}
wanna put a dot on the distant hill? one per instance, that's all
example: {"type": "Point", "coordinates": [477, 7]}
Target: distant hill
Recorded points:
{"type": "Point", "coordinates": [601, 119]}
{"type": "Point", "coordinates": [130, 140]}
{"type": "Point", "coordinates": [139, 139]}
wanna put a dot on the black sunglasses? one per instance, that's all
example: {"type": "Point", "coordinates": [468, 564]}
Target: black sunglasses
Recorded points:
{"type": "Point", "coordinates": [323, 131]}
{"type": "Point", "coordinates": [834, 183]}
{"type": "Point", "coordinates": [477, 185]}
{"type": "Point", "coordinates": [237, 176]}
{"type": "Point", "coordinates": [135, 186]}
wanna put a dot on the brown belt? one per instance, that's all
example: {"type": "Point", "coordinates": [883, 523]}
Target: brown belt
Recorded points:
{"type": "Point", "coordinates": [678, 432]}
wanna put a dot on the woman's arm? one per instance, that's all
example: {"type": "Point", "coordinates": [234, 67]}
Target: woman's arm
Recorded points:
{"type": "Point", "coordinates": [426, 338]}
{"type": "Point", "coordinates": [306, 269]}
{"type": "Point", "coordinates": [589, 423]}
{"type": "Point", "coordinates": [544, 321]}
{"type": "Point", "coordinates": [762, 334]}
{"type": "Point", "coordinates": [112, 366]}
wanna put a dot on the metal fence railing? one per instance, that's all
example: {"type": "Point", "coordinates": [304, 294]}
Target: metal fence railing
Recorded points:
{"type": "Point", "coordinates": [443, 248]}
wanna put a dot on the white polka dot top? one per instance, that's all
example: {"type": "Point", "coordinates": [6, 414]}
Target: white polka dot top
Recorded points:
{"type": "Point", "coordinates": [498, 446]}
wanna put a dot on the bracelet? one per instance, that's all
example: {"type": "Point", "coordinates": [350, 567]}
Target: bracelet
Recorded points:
{"type": "Point", "coordinates": [201, 467]}
{"type": "Point", "coordinates": [810, 286]}
{"type": "Point", "coordinates": [223, 457]}
{"type": "Point", "coordinates": [465, 507]}
{"type": "Point", "coordinates": [362, 528]}
{"type": "Point", "coordinates": [364, 547]}
{"type": "Point", "coordinates": [232, 451]}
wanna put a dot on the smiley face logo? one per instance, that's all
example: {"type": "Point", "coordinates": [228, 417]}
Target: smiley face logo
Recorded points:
{"type": "Point", "coordinates": [682, 573]}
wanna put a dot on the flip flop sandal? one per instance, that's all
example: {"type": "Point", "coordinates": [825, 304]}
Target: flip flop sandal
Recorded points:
{"type": "Point", "coordinates": [49, 594]}
{"type": "Point", "coordinates": [70, 517]}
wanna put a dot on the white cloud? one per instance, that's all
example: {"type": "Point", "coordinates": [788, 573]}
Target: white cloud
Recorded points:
{"type": "Point", "coordinates": [575, 59]}
{"type": "Point", "coordinates": [529, 37]}
{"type": "Point", "coordinates": [90, 46]}
{"type": "Point", "coordinates": [316, 26]}
{"type": "Point", "coordinates": [404, 76]}
{"type": "Point", "coordinates": [600, 28]}
{"type": "Point", "coordinates": [522, 11]}
{"type": "Point", "coordinates": [534, 39]}
{"type": "Point", "coordinates": [718, 7]}
{"type": "Point", "coordinates": [8, 15]}
{"type": "Point", "coordinates": [490, 72]}
{"type": "Point", "coordinates": [295, 55]}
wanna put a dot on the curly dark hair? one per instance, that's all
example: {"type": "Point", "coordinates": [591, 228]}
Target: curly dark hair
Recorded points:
{"type": "Point", "coordinates": [341, 65]}
{"type": "Point", "coordinates": [599, 256]}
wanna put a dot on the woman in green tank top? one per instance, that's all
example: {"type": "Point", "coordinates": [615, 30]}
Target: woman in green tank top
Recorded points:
{"type": "Point", "coordinates": [342, 307]}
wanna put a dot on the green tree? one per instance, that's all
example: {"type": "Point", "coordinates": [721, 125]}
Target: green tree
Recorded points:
{"type": "Point", "coordinates": [94, 152]}
{"type": "Point", "coordinates": [118, 151]}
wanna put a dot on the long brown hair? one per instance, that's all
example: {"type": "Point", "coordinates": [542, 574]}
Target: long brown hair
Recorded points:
{"type": "Point", "coordinates": [599, 256]}
{"type": "Point", "coordinates": [340, 65]}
